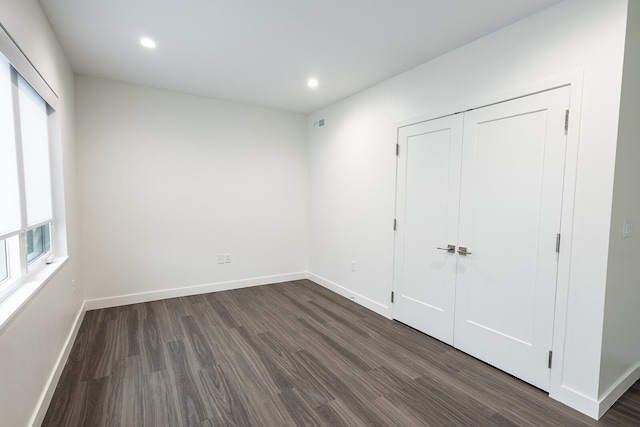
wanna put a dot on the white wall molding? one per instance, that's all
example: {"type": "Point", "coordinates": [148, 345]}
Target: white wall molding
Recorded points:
{"type": "Point", "coordinates": [592, 407]}
{"type": "Point", "coordinates": [141, 297]}
{"type": "Point", "coordinates": [52, 383]}
{"type": "Point", "coordinates": [383, 310]}
{"type": "Point", "coordinates": [571, 78]}
{"type": "Point", "coordinates": [576, 400]}
{"type": "Point", "coordinates": [616, 391]}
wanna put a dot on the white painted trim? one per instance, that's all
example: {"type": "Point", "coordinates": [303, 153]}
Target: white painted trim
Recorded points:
{"type": "Point", "coordinates": [496, 97]}
{"type": "Point", "coordinates": [52, 383]}
{"type": "Point", "coordinates": [189, 290]}
{"type": "Point", "coordinates": [558, 389]}
{"type": "Point", "coordinates": [616, 391]}
{"type": "Point", "coordinates": [576, 400]}
{"type": "Point", "coordinates": [383, 310]}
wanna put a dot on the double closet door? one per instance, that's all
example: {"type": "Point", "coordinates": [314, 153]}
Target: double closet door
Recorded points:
{"type": "Point", "coordinates": [478, 206]}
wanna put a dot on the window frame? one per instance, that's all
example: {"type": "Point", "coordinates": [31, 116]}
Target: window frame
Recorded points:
{"type": "Point", "coordinates": [4, 261]}
{"type": "Point", "coordinates": [40, 273]}
{"type": "Point", "coordinates": [17, 261]}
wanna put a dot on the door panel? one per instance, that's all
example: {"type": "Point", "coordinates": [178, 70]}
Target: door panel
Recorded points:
{"type": "Point", "coordinates": [428, 197]}
{"type": "Point", "coordinates": [511, 195]}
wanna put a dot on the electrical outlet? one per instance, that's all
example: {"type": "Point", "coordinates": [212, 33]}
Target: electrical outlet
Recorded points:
{"type": "Point", "coordinates": [73, 286]}
{"type": "Point", "coordinates": [353, 266]}
{"type": "Point", "coordinates": [220, 258]}
{"type": "Point", "coordinates": [227, 258]}
{"type": "Point", "coordinates": [627, 229]}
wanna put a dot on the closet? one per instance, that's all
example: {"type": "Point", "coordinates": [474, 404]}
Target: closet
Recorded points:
{"type": "Point", "coordinates": [478, 211]}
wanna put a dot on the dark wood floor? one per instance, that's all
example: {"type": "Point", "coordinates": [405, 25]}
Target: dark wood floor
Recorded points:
{"type": "Point", "coordinates": [290, 354]}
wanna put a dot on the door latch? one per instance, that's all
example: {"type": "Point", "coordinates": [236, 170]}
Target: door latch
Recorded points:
{"type": "Point", "coordinates": [463, 251]}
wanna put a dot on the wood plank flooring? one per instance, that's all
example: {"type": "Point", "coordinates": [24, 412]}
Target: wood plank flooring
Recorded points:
{"type": "Point", "coordinates": [289, 354]}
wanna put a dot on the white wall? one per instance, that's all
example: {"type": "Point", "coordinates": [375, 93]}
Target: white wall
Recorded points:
{"type": "Point", "coordinates": [168, 181]}
{"type": "Point", "coordinates": [621, 342]}
{"type": "Point", "coordinates": [32, 343]}
{"type": "Point", "coordinates": [352, 167]}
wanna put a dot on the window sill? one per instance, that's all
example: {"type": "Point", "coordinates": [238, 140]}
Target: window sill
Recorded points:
{"type": "Point", "coordinates": [13, 304]}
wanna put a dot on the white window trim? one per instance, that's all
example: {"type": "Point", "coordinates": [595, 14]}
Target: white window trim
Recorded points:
{"type": "Point", "coordinates": [40, 272]}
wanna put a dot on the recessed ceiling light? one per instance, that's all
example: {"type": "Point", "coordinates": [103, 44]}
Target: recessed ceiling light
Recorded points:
{"type": "Point", "coordinates": [147, 42]}
{"type": "Point", "coordinates": [312, 83]}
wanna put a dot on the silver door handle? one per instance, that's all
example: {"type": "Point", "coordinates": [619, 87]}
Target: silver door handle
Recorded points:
{"type": "Point", "coordinates": [450, 248]}
{"type": "Point", "coordinates": [463, 251]}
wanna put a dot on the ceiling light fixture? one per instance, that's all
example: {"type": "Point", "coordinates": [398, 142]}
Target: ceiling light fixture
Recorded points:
{"type": "Point", "coordinates": [312, 83]}
{"type": "Point", "coordinates": [147, 42]}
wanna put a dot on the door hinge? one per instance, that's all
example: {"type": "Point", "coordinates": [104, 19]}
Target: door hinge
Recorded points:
{"type": "Point", "coordinates": [391, 296]}
{"type": "Point", "coordinates": [566, 120]}
{"type": "Point", "coordinates": [558, 243]}
{"type": "Point", "coordinates": [395, 224]}
{"type": "Point", "coordinates": [397, 150]}
{"type": "Point", "coordinates": [550, 358]}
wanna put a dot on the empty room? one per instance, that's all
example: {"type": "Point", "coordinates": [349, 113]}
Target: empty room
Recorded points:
{"type": "Point", "coordinates": [348, 213]}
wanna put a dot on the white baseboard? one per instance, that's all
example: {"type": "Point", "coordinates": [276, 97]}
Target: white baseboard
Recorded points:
{"type": "Point", "coordinates": [576, 400]}
{"type": "Point", "coordinates": [616, 391]}
{"type": "Point", "coordinates": [52, 383]}
{"type": "Point", "coordinates": [383, 310]}
{"type": "Point", "coordinates": [188, 291]}
{"type": "Point", "coordinates": [593, 407]}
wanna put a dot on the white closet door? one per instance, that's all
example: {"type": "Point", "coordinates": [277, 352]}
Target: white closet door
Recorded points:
{"type": "Point", "coordinates": [427, 212]}
{"type": "Point", "coordinates": [510, 207]}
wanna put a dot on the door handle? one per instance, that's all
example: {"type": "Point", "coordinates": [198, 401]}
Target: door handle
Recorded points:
{"type": "Point", "coordinates": [450, 248]}
{"type": "Point", "coordinates": [463, 251]}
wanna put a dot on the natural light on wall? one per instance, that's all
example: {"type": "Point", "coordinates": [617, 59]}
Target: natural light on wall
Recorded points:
{"type": "Point", "coordinates": [25, 178]}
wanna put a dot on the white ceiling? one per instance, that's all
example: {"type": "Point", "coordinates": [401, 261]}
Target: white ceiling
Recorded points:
{"type": "Point", "coordinates": [262, 52]}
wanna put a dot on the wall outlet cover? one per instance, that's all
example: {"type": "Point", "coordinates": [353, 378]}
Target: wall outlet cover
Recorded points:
{"type": "Point", "coordinates": [627, 229]}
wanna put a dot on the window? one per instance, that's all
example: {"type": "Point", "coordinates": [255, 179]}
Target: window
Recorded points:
{"type": "Point", "coordinates": [38, 243]}
{"type": "Point", "coordinates": [25, 182]}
